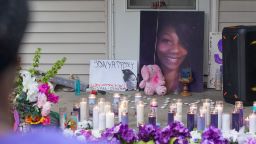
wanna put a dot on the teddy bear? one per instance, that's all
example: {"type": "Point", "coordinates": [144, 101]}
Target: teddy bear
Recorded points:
{"type": "Point", "coordinates": [153, 80]}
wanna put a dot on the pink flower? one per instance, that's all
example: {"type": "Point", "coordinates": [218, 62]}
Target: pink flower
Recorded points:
{"type": "Point", "coordinates": [46, 109]}
{"type": "Point", "coordinates": [44, 88]}
{"type": "Point", "coordinates": [53, 98]}
{"type": "Point", "coordinates": [41, 100]}
{"type": "Point", "coordinates": [46, 121]}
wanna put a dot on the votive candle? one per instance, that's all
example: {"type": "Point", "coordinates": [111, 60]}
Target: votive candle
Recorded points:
{"type": "Point", "coordinates": [226, 122]}
{"type": "Point", "coordinates": [92, 102]}
{"type": "Point", "coordinates": [83, 110]}
{"type": "Point", "coordinates": [116, 102]}
{"type": "Point", "coordinates": [140, 113]}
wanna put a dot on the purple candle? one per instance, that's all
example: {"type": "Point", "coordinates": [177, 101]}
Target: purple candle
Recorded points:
{"type": "Point", "coordinates": [124, 118]}
{"type": "Point", "coordinates": [152, 120]}
{"type": "Point", "coordinates": [170, 117]}
{"type": "Point", "coordinates": [201, 123]}
{"type": "Point", "coordinates": [190, 121]}
{"type": "Point", "coordinates": [235, 121]}
{"type": "Point", "coordinates": [214, 120]}
{"type": "Point", "coordinates": [241, 117]}
{"type": "Point", "coordinates": [239, 107]}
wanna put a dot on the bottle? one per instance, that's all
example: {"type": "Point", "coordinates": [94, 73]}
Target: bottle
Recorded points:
{"type": "Point", "coordinates": [77, 86]}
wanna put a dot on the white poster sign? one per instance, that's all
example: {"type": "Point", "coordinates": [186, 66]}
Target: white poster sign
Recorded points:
{"type": "Point", "coordinates": [215, 57]}
{"type": "Point", "coordinates": [113, 75]}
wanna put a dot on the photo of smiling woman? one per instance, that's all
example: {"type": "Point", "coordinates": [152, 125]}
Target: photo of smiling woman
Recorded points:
{"type": "Point", "coordinates": [173, 40]}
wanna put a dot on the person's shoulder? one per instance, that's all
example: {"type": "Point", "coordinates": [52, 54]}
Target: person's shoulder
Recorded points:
{"type": "Point", "coordinates": [38, 138]}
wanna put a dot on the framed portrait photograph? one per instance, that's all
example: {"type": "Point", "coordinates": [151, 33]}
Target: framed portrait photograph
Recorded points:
{"type": "Point", "coordinates": [174, 41]}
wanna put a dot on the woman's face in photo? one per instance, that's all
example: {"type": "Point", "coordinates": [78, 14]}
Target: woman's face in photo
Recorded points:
{"type": "Point", "coordinates": [170, 52]}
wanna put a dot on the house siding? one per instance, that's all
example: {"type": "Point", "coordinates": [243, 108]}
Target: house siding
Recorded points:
{"type": "Point", "coordinates": [236, 12]}
{"type": "Point", "coordinates": [75, 29]}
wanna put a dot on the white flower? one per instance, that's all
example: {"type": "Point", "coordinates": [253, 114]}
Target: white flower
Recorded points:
{"type": "Point", "coordinates": [231, 135]}
{"type": "Point", "coordinates": [242, 138]}
{"type": "Point", "coordinates": [195, 136]}
{"type": "Point", "coordinates": [96, 133]}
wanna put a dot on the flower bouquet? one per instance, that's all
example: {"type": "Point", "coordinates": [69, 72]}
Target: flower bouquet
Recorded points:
{"type": "Point", "coordinates": [35, 94]}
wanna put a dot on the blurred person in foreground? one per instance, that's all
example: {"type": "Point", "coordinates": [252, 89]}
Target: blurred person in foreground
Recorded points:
{"type": "Point", "coordinates": [13, 21]}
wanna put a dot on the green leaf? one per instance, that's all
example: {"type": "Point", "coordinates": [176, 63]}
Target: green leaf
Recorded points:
{"type": "Point", "coordinates": [172, 140]}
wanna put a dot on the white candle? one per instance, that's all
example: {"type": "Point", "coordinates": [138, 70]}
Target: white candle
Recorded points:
{"type": "Point", "coordinates": [110, 119]}
{"type": "Point", "coordinates": [102, 121]}
{"type": "Point", "coordinates": [252, 123]}
{"type": "Point", "coordinates": [120, 110]}
{"type": "Point", "coordinates": [137, 98]}
{"type": "Point", "coordinates": [101, 104]}
{"type": "Point", "coordinates": [178, 118]}
{"type": "Point", "coordinates": [207, 107]}
{"type": "Point", "coordinates": [95, 118]}
{"type": "Point", "coordinates": [179, 106]}
{"type": "Point", "coordinates": [140, 113]}
{"type": "Point", "coordinates": [154, 107]}
{"type": "Point", "coordinates": [225, 122]}
{"type": "Point", "coordinates": [220, 111]}
{"type": "Point", "coordinates": [107, 107]}
{"type": "Point", "coordinates": [83, 110]}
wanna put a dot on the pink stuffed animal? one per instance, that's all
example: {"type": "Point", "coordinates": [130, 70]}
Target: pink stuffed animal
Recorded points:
{"type": "Point", "coordinates": [153, 80]}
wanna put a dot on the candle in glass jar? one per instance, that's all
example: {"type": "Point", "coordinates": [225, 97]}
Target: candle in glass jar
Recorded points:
{"type": "Point", "coordinates": [207, 107]}
{"type": "Point", "coordinates": [190, 120]}
{"type": "Point", "coordinates": [179, 106]}
{"type": "Point", "coordinates": [154, 107]}
{"type": "Point", "coordinates": [140, 113]}
{"type": "Point", "coordinates": [110, 119]}
{"type": "Point", "coordinates": [95, 117]}
{"type": "Point", "coordinates": [214, 119]}
{"type": "Point", "coordinates": [171, 113]}
{"type": "Point", "coordinates": [226, 122]}
{"type": "Point", "coordinates": [252, 123]}
{"type": "Point", "coordinates": [235, 120]}
{"type": "Point", "coordinates": [83, 110]}
{"type": "Point", "coordinates": [240, 108]}
{"type": "Point", "coordinates": [152, 119]}
{"type": "Point", "coordinates": [76, 109]}
{"type": "Point", "coordinates": [124, 118]}
{"type": "Point", "coordinates": [219, 108]}
{"type": "Point", "coordinates": [201, 120]}
{"type": "Point", "coordinates": [102, 121]}
{"type": "Point", "coordinates": [101, 105]}
{"type": "Point", "coordinates": [137, 98]}
{"type": "Point", "coordinates": [107, 107]}
{"type": "Point", "coordinates": [116, 102]}
{"type": "Point", "coordinates": [92, 102]}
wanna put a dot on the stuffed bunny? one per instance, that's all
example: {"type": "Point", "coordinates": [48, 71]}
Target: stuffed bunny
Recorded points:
{"type": "Point", "coordinates": [153, 80]}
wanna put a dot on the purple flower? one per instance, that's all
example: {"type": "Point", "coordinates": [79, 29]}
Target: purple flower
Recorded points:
{"type": "Point", "coordinates": [121, 133]}
{"type": "Point", "coordinates": [147, 132]}
{"type": "Point", "coordinates": [53, 98]}
{"type": "Point", "coordinates": [251, 141]}
{"type": "Point", "coordinates": [44, 88]}
{"type": "Point", "coordinates": [213, 135]}
{"type": "Point", "coordinates": [174, 130]}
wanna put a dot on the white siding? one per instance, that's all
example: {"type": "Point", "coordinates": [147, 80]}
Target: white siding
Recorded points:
{"type": "Point", "coordinates": [237, 12]}
{"type": "Point", "coordinates": [75, 29]}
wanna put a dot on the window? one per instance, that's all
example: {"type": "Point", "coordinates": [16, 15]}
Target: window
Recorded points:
{"type": "Point", "coordinates": [162, 4]}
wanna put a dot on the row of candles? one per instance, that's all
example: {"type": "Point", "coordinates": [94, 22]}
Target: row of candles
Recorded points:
{"type": "Point", "coordinates": [103, 113]}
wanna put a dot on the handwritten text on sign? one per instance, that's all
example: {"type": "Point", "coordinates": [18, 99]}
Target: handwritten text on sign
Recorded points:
{"type": "Point", "coordinates": [114, 75]}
